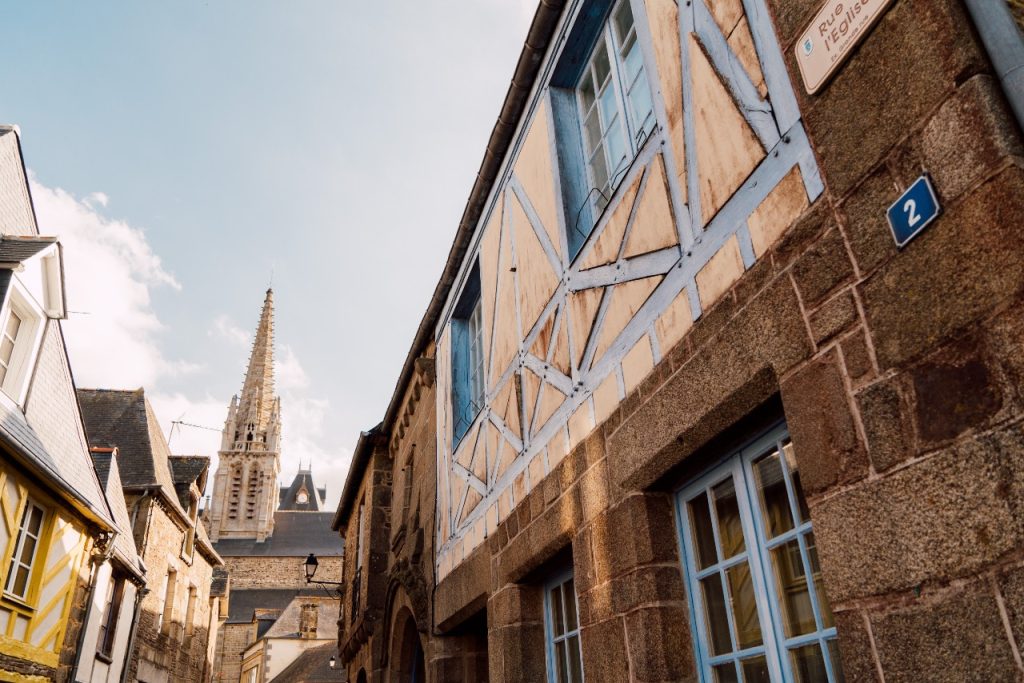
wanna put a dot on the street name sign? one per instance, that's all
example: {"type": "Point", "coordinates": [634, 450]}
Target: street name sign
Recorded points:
{"type": "Point", "coordinates": [913, 211]}
{"type": "Point", "coordinates": [836, 29]}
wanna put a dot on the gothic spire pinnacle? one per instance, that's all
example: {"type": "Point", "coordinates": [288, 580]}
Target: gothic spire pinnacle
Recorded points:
{"type": "Point", "coordinates": [257, 400]}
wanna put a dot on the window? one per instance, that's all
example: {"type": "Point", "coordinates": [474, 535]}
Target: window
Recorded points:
{"type": "Point", "coordinates": [467, 357]}
{"type": "Point", "coordinates": [108, 625]}
{"type": "Point", "coordinates": [759, 609]}
{"type": "Point", "coordinates": [613, 82]}
{"type": "Point", "coordinates": [603, 111]}
{"type": "Point", "coordinates": [562, 629]}
{"type": "Point", "coordinates": [190, 611]}
{"type": "Point", "coordinates": [27, 543]}
{"type": "Point", "coordinates": [164, 623]}
{"type": "Point", "coordinates": [360, 536]}
{"type": "Point", "coordinates": [190, 534]}
{"type": "Point", "coordinates": [20, 326]}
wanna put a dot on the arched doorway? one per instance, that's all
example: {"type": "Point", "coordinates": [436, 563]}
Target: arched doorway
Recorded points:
{"type": "Point", "coordinates": [361, 676]}
{"type": "Point", "coordinates": [407, 657]}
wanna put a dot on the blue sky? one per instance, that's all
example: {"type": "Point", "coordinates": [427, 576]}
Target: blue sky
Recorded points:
{"type": "Point", "coordinates": [186, 151]}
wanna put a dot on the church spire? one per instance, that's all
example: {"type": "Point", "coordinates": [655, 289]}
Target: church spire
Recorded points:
{"type": "Point", "coordinates": [245, 490]}
{"type": "Point", "coordinates": [257, 401]}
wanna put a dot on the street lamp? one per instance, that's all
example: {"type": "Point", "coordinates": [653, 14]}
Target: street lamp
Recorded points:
{"type": "Point", "coordinates": [332, 662]}
{"type": "Point", "coordinates": [310, 566]}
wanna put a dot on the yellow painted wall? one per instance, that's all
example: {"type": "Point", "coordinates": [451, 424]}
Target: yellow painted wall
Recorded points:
{"type": "Point", "coordinates": [33, 628]}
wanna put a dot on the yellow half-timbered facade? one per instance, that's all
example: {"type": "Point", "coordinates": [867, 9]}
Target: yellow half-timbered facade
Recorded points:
{"type": "Point", "coordinates": [56, 528]}
{"type": "Point", "coordinates": [45, 551]}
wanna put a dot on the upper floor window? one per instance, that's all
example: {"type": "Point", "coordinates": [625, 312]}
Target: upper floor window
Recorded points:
{"type": "Point", "coordinates": [603, 111]}
{"type": "Point", "coordinates": [615, 104]}
{"type": "Point", "coordinates": [25, 551]}
{"type": "Point", "coordinates": [20, 328]}
{"type": "Point", "coordinates": [108, 625]}
{"type": "Point", "coordinates": [467, 357]}
{"type": "Point", "coordinates": [167, 614]}
{"type": "Point", "coordinates": [190, 611]}
{"type": "Point", "coordinates": [562, 628]}
{"type": "Point", "coordinates": [752, 571]}
{"type": "Point", "coordinates": [360, 535]}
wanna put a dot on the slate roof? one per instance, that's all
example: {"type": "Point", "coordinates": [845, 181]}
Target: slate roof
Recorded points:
{"type": "Point", "coordinates": [123, 419]}
{"type": "Point", "coordinates": [19, 248]}
{"type": "Point", "coordinates": [186, 469]}
{"type": "Point", "coordinates": [315, 500]}
{"type": "Point", "coordinates": [296, 534]}
{"type": "Point", "coordinates": [313, 666]}
{"type": "Point", "coordinates": [48, 435]}
{"type": "Point", "coordinates": [244, 602]}
{"type": "Point", "coordinates": [110, 480]}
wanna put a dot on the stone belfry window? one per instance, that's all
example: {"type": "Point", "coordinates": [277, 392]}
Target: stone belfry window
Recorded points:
{"type": "Point", "coordinates": [236, 491]}
{"type": "Point", "coordinates": [251, 492]}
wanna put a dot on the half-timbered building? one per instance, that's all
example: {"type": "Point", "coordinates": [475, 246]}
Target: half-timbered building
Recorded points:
{"type": "Point", "coordinates": [702, 411]}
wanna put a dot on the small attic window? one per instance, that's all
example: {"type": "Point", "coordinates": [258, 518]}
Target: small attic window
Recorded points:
{"type": "Point", "coordinates": [21, 328]}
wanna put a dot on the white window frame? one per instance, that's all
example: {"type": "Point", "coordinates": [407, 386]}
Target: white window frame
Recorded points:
{"type": "Point", "coordinates": [635, 132]}
{"type": "Point", "coordinates": [19, 545]}
{"type": "Point", "coordinates": [26, 347]}
{"type": "Point", "coordinates": [551, 639]}
{"type": "Point", "coordinates": [775, 645]}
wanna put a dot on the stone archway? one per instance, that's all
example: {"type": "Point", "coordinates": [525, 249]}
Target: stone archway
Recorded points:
{"type": "Point", "coordinates": [407, 660]}
{"type": "Point", "coordinates": [361, 676]}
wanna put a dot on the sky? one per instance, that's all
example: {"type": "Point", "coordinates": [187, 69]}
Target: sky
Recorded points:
{"type": "Point", "coordinates": [190, 154]}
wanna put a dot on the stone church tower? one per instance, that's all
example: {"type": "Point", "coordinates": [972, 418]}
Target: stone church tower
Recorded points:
{"type": "Point", "coordinates": [245, 489]}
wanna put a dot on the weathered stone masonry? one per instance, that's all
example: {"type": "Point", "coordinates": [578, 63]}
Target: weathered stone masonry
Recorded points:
{"type": "Point", "coordinates": [898, 374]}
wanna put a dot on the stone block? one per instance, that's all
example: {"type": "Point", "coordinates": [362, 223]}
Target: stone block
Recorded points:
{"type": "Point", "coordinates": [857, 660]}
{"type": "Point", "coordinates": [822, 268]}
{"type": "Point", "coordinates": [957, 637]}
{"type": "Point", "coordinates": [464, 590]}
{"type": "Point", "coordinates": [857, 358]}
{"type": "Point", "coordinates": [865, 224]}
{"type": "Point", "coordinates": [640, 530]}
{"type": "Point", "coordinates": [969, 137]}
{"type": "Point", "coordinates": [516, 653]}
{"type": "Point", "coordinates": [926, 33]}
{"type": "Point", "coordinates": [1011, 585]}
{"type": "Point", "coordinates": [969, 262]}
{"type": "Point", "coordinates": [647, 585]}
{"type": "Point", "coordinates": [833, 316]}
{"type": "Point", "coordinates": [1003, 336]}
{"type": "Point", "coordinates": [945, 517]}
{"type": "Point", "coordinates": [824, 432]}
{"type": "Point", "coordinates": [804, 232]}
{"type": "Point", "coordinates": [514, 603]}
{"type": "Point", "coordinates": [659, 643]}
{"type": "Point", "coordinates": [885, 414]}
{"type": "Point", "coordinates": [791, 18]}
{"type": "Point", "coordinates": [954, 392]}
{"type": "Point", "coordinates": [604, 651]}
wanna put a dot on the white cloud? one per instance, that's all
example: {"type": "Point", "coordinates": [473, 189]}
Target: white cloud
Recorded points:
{"type": "Point", "coordinates": [290, 373]}
{"type": "Point", "coordinates": [113, 334]}
{"type": "Point", "coordinates": [225, 328]}
{"type": "Point", "coordinates": [110, 268]}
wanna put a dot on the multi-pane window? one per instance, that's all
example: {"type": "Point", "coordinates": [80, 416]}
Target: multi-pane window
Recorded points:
{"type": "Point", "coordinates": [108, 625]}
{"type": "Point", "coordinates": [8, 340]}
{"type": "Point", "coordinates": [467, 357]}
{"type": "Point", "coordinates": [760, 611]}
{"type": "Point", "coordinates": [562, 626]}
{"type": "Point", "coordinates": [25, 548]}
{"type": "Point", "coordinates": [615, 107]}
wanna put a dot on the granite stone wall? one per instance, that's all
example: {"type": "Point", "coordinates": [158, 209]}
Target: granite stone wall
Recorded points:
{"type": "Point", "coordinates": [898, 373]}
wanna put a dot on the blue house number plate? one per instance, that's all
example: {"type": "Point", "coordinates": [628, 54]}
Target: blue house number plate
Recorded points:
{"type": "Point", "coordinates": [913, 211]}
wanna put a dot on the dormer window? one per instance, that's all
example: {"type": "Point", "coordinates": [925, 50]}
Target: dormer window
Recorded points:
{"type": "Point", "coordinates": [21, 327]}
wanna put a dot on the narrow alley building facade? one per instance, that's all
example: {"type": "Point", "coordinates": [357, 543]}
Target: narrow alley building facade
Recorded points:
{"type": "Point", "coordinates": [703, 409]}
